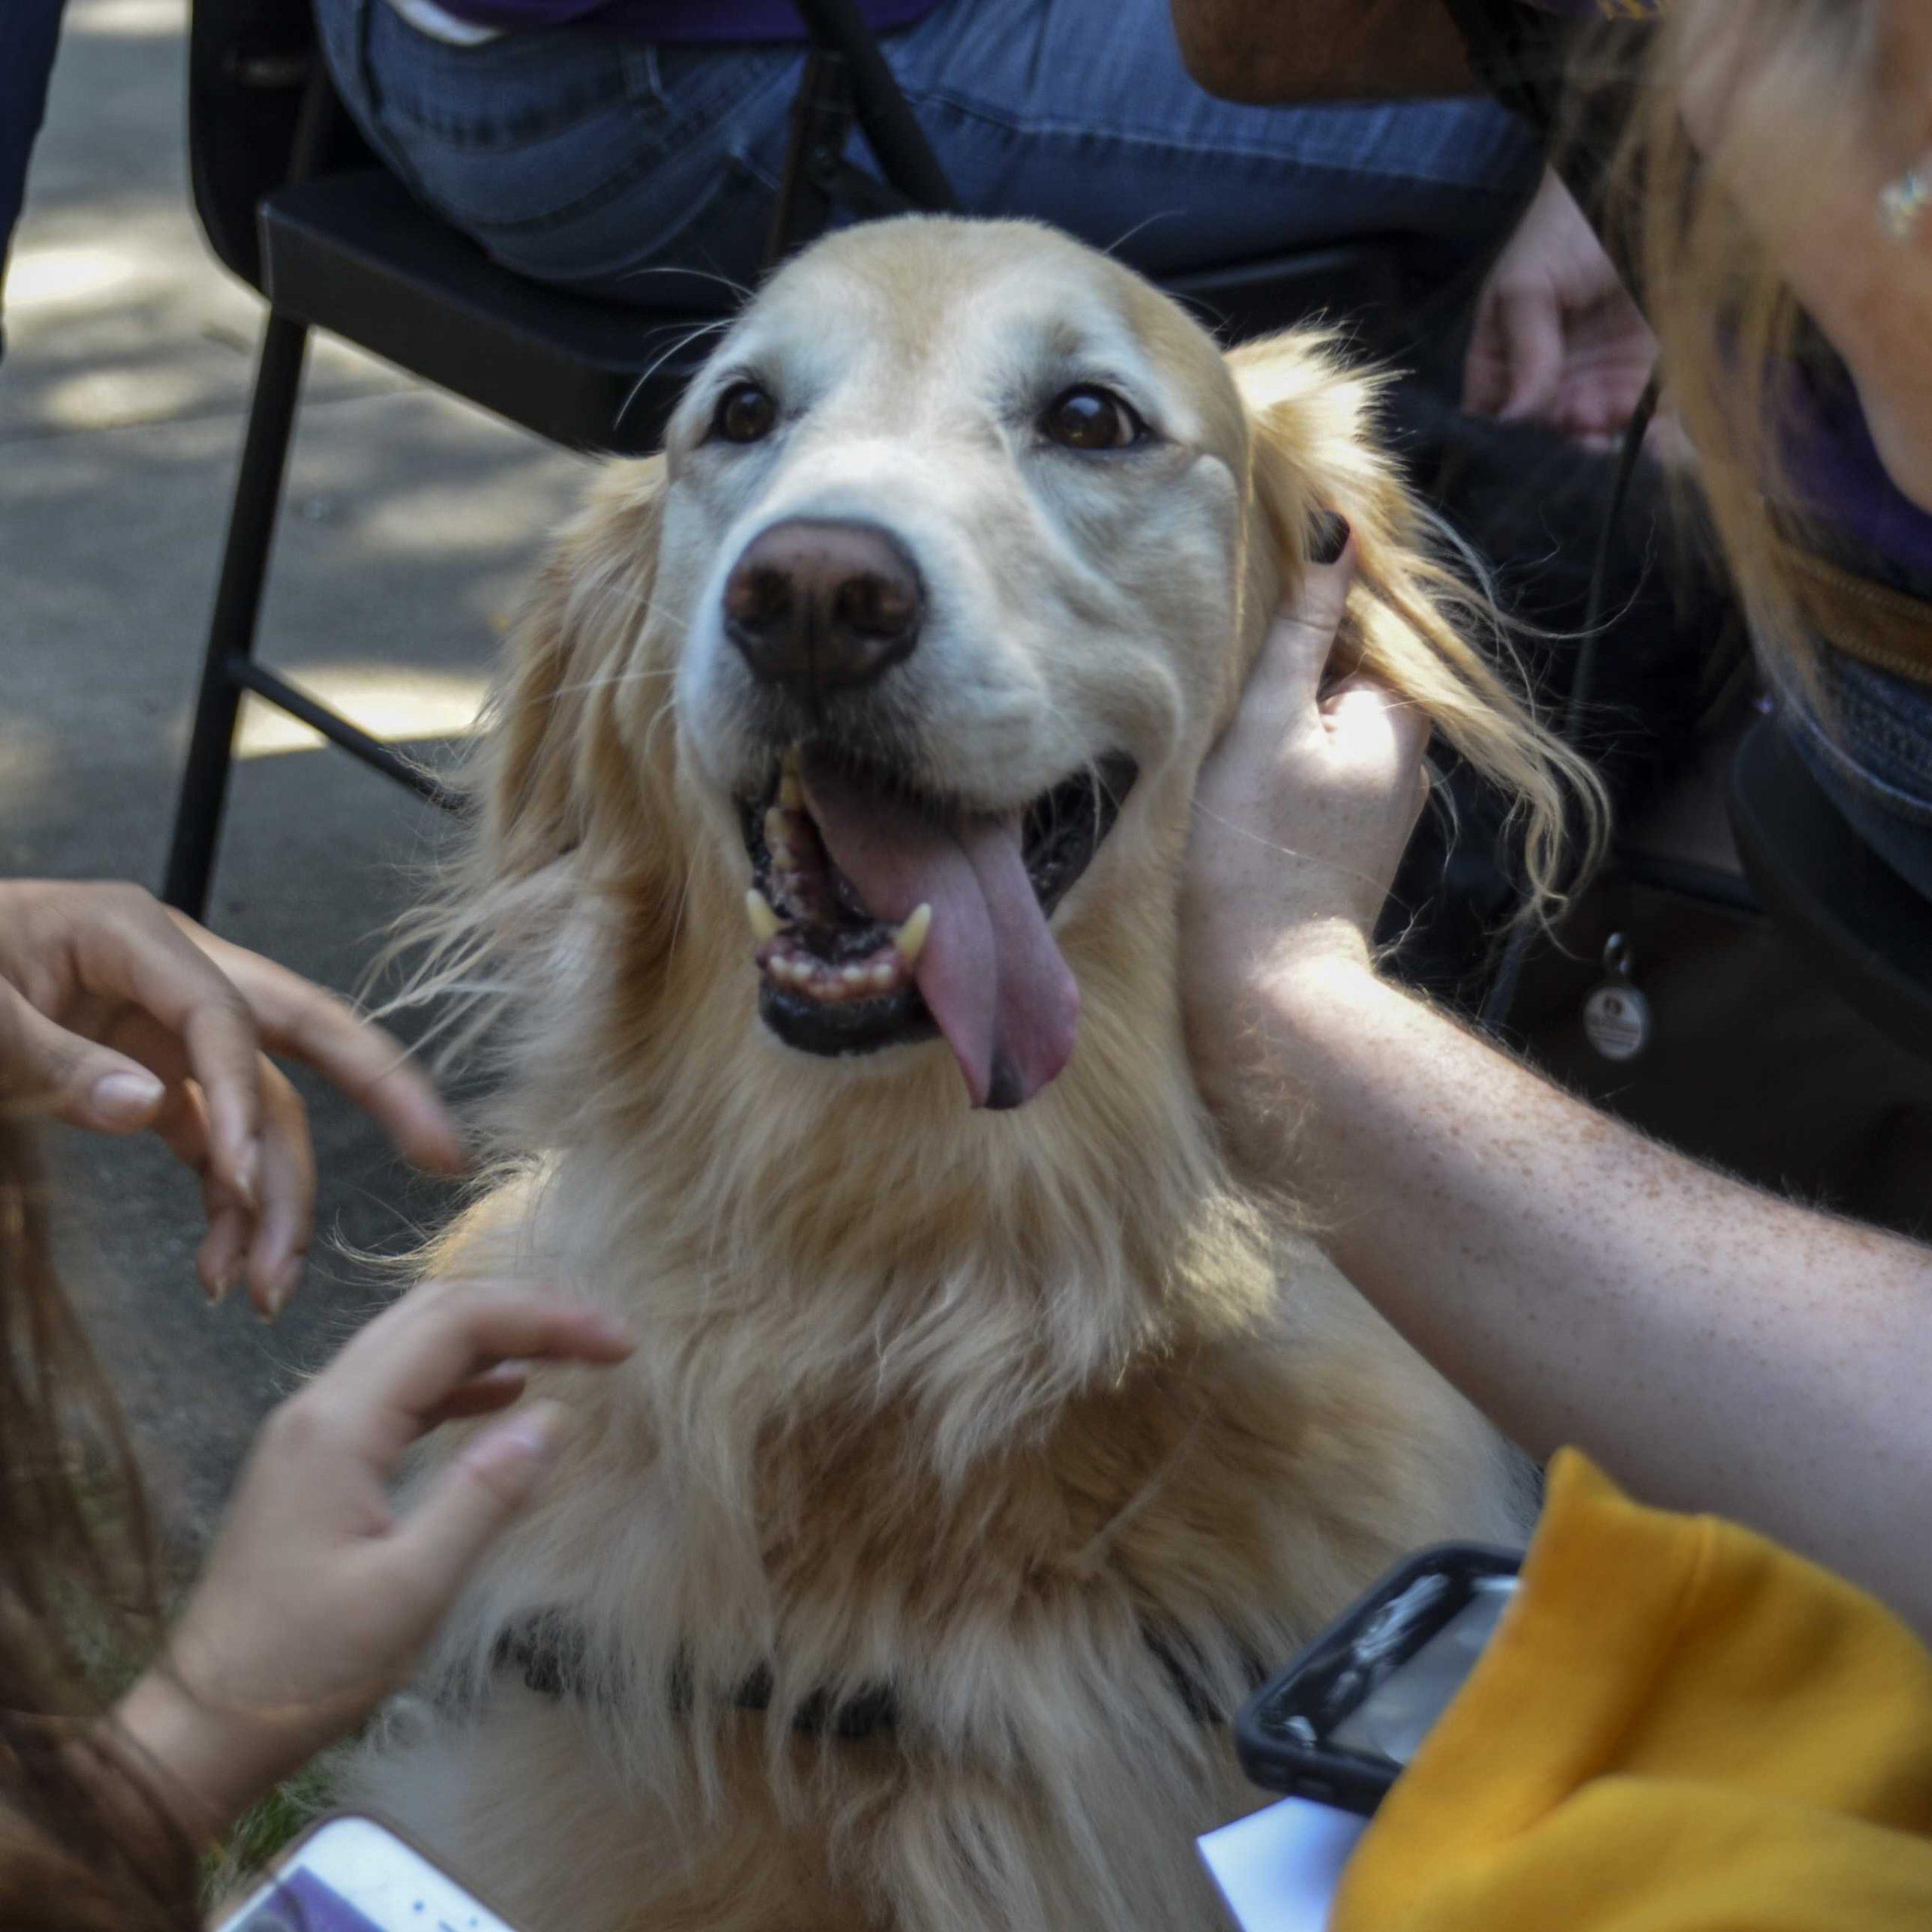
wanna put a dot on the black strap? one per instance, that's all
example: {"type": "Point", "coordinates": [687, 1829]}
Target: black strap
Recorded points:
{"type": "Point", "coordinates": [1520, 52]}
{"type": "Point", "coordinates": [551, 1653]}
{"type": "Point", "coordinates": [1529, 58]}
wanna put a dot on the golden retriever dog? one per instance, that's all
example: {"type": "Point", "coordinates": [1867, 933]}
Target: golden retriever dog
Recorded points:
{"type": "Point", "coordinates": [986, 1436]}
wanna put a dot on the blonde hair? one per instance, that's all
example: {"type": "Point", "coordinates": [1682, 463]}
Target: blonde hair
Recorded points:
{"type": "Point", "coordinates": [1732, 335]}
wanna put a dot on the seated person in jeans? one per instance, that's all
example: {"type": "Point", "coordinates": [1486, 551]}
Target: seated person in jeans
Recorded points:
{"type": "Point", "coordinates": [1785, 247]}
{"type": "Point", "coordinates": [632, 148]}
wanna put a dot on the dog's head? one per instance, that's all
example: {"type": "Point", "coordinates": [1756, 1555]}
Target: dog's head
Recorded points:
{"type": "Point", "coordinates": [913, 642]}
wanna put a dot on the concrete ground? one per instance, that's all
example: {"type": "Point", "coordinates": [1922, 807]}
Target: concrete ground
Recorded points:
{"type": "Point", "coordinates": [411, 519]}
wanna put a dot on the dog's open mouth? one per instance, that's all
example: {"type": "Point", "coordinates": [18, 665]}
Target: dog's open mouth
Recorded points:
{"type": "Point", "coordinates": [881, 916]}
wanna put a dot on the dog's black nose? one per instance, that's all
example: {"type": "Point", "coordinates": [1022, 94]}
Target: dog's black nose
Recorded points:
{"type": "Point", "coordinates": [821, 607]}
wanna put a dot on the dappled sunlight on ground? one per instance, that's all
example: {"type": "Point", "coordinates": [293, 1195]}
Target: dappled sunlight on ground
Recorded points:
{"type": "Point", "coordinates": [54, 279]}
{"type": "Point", "coordinates": [130, 20]}
{"type": "Point", "coordinates": [116, 311]}
{"type": "Point", "coordinates": [390, 703]}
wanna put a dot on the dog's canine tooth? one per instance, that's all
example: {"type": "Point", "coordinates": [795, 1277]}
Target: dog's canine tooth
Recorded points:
{"type": "Point", "coordinates": [790, 787]}
{"type": "Point", "coordinates": [766, 924]}
{"type": "Point", "coordinates": [910, 939]}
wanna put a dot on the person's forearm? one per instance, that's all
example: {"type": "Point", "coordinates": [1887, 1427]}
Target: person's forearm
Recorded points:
{"type": "Point", "coordinates": [1322, 50]}
{"type": "Point", "coordinates": [1714, 1348]}
{"type": "Point", "coordinates": [204, 1771]}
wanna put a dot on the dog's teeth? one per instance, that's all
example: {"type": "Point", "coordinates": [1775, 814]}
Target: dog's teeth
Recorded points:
{"type": "Point", "coordinates": [909, 941]}
{"type": "Point", "coordinates": [883, 978]}
{"type": "Point", "coordinates": [790, 787]}
{"type": "Point", "coordinates": [778, 839]}
{"type": "Point", "coordinates": [766, 924]}
{"type": "Point", "coordinates": [856, 977]}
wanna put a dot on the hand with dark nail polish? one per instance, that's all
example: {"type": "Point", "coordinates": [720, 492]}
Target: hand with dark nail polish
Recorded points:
{"type": "Point", "coordinates": [1328, 537]}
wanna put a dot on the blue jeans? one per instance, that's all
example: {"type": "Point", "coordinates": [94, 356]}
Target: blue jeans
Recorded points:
{"type": "Point", "coordinates": [584, 161]}
{"type": "Point", "coordinates": [1866, 737]}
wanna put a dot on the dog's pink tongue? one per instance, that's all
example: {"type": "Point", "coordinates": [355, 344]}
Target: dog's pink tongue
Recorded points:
{"type": "Point", "coordinates": [989, 970]}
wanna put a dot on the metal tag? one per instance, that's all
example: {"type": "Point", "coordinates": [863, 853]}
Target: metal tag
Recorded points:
{"type": "Point", "coordinates": [1617, 1017]}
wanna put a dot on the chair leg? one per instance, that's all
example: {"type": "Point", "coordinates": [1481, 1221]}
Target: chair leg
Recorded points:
{"type": "Point", "coordinates": [237, 604]}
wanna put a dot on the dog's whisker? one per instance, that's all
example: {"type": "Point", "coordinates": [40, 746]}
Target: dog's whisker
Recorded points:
{"type": "Point", "coordinates": [611, 680]}
{"type": "Point", "coordinates": [667, 710]}
{"type": "Point", "coordinates": [696, 333]}
{"type": "Point", "coordinates": [1120, 241]}
{"type": "Point", "coordinates": [737, 288]}
{"type": "Point", "coordinates": [684, 903]}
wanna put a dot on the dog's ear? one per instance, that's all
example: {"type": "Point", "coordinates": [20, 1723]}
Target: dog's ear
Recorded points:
{"type": "Point", "coordinates": [1411, 622]}
{"type": "Point", "coordinates": [565, 801]}
{"type": "Point", "coordinates": [556, 759]}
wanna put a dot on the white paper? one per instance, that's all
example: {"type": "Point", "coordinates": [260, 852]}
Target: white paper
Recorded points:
{"type": "Point", "coordinates": [1278, 1869]}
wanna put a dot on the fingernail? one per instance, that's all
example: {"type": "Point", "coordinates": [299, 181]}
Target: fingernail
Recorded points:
{"type": "Point", "coordinates": [282, 1291]}
{"type": "Point", "coordinates": [225, 1276]}
{"type": "Point", "coordinates": [247, 1162]}
{"type": "Point", "coordinates": [1328, 536]}
{"type": "Point", "coordinates": [526, 1435]}
{"type": "Point", "coordinates": [612, 1330]}
{"type": "Point", "coordinates": [125, 1097]}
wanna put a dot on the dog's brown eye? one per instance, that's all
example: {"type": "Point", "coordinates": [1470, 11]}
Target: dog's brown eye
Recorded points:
{"type": "Point", "coordinates": [746, 413]}
{"type": "Point", "coordinates": [1091, 418]}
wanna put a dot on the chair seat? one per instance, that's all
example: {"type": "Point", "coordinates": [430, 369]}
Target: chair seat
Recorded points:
{"type": "Point", "coordinates": [355, 253]}
{"type": "Point", "coordinates": [1256, 298]}
{"type": "Point", "coordinates": [1867, 930]}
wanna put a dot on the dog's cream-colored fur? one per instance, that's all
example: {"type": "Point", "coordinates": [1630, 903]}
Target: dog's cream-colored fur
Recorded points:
{"type": "Point", "coordinates": [973, 1404]}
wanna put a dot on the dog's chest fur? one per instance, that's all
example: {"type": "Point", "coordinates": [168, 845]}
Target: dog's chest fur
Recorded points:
{"type": "Point", "coordinates": [1056, 1622]}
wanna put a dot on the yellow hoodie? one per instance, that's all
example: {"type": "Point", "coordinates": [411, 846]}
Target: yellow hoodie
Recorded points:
{"type": "Point", "coordinates": [1678, 1727]}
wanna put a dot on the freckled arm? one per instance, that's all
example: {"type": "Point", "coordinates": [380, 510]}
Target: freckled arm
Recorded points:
{"type": "Point", "coordinates": [1715, 1348]}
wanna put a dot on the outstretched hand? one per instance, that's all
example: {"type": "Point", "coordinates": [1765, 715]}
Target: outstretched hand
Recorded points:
{"type": "Point", "coordinates": [1301, 814]}
{"type": "Point", "coordinates": [119, 1015]}
{"type": "Point", "coordinates": [318, 1597]}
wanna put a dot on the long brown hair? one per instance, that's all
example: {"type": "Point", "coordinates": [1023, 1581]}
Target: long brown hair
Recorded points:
{"type": "Point", "coordinates": [85, 1846]}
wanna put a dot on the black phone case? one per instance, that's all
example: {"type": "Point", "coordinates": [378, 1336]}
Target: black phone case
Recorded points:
{"type": "Point", "coordinates": [1276, 1760]}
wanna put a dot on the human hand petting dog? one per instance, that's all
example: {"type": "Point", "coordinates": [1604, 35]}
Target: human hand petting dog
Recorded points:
{"type": "Point", "coordinates": [318, 1597]}
{"type": "Point", "coordinates": [1718, 1348]}
{"type": "Point", "coordinates": [1301, 814]}
{"type": "Point", "coordinates": [119, 1015]}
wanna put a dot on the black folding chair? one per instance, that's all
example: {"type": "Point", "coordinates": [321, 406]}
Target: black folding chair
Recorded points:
{"type": "Point", "coordinates": [1867, 930]}
{"type": "Point", "coordinates": [292, 201]}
